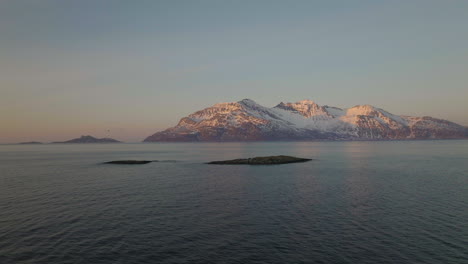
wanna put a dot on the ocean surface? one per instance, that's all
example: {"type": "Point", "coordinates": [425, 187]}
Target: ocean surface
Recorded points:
{"type": "Point", "coordinates": [356, 202]}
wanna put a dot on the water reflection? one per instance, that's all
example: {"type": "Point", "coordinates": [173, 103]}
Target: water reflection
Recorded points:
{"type": "Point", "coordinates": [358, 202]}
{"type": "Point", "coordinates": [357, 177]}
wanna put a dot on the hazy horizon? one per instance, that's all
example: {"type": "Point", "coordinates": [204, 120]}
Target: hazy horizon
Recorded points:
{"type": "Point", "coordinates": [128, 69]}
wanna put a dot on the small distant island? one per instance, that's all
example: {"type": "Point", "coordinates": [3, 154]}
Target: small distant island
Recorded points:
{"type": "Point", "coordinates": [30, 143]}
{"type": "Point", "coordinates": [88, 139]}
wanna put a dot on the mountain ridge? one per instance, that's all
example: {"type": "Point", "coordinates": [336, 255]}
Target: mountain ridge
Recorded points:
{"type": "Point", "coordinates": [247, 120]}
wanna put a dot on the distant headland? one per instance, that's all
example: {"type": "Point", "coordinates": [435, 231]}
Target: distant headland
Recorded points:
{"type": "Point", "coordinates": [30, 143]}
{"type": "Point", "coordinates": [88, 139]}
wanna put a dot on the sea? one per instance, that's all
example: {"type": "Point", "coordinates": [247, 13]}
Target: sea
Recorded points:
{"type": "Point", "coordinates": [355, 202]}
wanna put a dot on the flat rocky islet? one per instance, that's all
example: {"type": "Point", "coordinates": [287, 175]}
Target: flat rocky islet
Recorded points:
{"type": "Point", "coordinates": [130, 162]}
{"type": "Point", "coordinates": [268, 160]}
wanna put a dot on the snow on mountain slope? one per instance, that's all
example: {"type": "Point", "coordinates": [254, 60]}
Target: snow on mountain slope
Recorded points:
{"type": "Point", "coordinates": [306, 108]}
{"type": "Point", "coordinates": [304, 120]}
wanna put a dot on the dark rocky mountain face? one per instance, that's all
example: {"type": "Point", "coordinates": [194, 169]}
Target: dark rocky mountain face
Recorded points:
{"type": "Point", "coordinates": [305, 120]}
{"type": "Point", "coordinates": [90, 139]}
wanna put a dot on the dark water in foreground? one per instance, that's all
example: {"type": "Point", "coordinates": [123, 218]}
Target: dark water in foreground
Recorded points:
{"type": "Point", "coordinates": [359, 202]}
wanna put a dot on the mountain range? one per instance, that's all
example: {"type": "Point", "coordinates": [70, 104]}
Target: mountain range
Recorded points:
{"type": "Point", "coordinates": [304, 120]}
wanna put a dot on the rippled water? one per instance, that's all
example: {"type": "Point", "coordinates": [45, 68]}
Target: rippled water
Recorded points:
{"type": "Point", "coordinates": [358, 202]}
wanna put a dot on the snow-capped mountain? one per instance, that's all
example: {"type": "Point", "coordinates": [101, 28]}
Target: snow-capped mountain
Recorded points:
{"type": "Point", "coordinates": [305, 120]}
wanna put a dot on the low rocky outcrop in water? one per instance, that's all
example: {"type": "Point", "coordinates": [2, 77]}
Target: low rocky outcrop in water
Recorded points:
{"type": "Point", "coordinates": [130, 162]}
{"type": "Point", "coordinates": [89, 139]}
{"type": "Point", "coordinates": [269, 160]}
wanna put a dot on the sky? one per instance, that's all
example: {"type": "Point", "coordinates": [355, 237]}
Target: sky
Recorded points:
{"type": "Point", "coordinates": [127, 69]}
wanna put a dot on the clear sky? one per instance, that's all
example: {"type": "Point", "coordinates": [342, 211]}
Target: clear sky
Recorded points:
{"type": "Point", "coordinates": [127, 69]}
